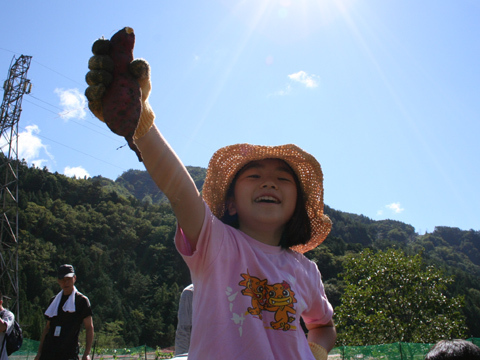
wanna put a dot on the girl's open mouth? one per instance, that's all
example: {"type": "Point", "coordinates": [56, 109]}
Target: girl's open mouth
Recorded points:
{"type": "Point", "coordinates": [267, 199]}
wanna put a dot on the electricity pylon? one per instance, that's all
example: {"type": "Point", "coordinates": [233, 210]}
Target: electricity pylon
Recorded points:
{"type": "Point", "coordinates": [14, 88]}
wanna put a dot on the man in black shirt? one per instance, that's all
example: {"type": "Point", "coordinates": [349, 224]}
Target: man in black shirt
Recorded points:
{"type": "Point", "coordinates": [67, 311]}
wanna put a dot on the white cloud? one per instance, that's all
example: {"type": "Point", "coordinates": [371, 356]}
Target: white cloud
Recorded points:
{"type": "Point", "coordinates": [73, 103]}
{"type": "Point", "coordinates": [283, 92]}
{"type": "Point", "coordinates": [39, 163]}
{"type": "Point", "coordinates": [31, 148]}
{"type": "Point", "coordinates": [79, 172]}
{"type": "Point", "coordinates": [395, 207]}
{"type": "Point", "coordinates": [310, 81]}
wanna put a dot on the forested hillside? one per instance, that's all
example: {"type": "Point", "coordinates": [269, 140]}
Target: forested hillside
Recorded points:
{"type": "Point", "coordinates": [119, 236]}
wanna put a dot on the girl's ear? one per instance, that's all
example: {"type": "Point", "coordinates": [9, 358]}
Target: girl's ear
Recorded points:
{"type": "Point", "coordinates": [231, 208]}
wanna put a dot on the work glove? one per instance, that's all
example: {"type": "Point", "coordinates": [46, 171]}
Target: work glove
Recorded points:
{"type": "Point", "coordinates": [119, 87]}
{"type": "Point", "coordinates": [318, 351]}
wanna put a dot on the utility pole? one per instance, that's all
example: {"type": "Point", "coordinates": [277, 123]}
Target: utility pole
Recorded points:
{"type": "Point", "coordinates": [14, 88]}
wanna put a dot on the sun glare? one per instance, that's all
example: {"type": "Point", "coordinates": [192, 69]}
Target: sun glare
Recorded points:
{"type": "Point", "coordinates": [288, 20]}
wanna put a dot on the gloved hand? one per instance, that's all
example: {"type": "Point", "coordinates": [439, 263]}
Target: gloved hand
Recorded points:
{"type": "Point", "coordinates": [318, 351]}
{"type": "Point", "coordinates": [119, 87]}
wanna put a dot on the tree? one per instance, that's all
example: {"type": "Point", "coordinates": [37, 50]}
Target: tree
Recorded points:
{"type": "Point", "coordinates": [119, 236]}
{"type": "Point", "coordinates": [391, 297]}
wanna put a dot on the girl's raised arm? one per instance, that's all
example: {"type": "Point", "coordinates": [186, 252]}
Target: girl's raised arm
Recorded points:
{"type": "Point", "coordinates": [173, 179]}
{"type": "Point", "coordinates": [117, 94]}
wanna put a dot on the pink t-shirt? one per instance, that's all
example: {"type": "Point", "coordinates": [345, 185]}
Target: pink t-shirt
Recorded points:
{"type": "Point", "coordinates": [249, 296]}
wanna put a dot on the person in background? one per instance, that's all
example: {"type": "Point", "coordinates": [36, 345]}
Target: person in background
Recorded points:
{"type": "Point", "coordinates": [454, 350]}
{"type": "Point", "coordinates": [67, 311]}
{"type": "Point", "coordinates": [6, 324]}
{"type": "Point", "coordinates": [184, 326]}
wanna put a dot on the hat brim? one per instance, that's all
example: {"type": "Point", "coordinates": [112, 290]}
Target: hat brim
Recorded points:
{"type": "Point", "coordinates": [71, 275]}
{"type": "Point", "coordinates": [227, 161]}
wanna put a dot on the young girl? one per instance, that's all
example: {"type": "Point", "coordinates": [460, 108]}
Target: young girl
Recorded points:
{"type": "Point", "coordinates": [262, 208]}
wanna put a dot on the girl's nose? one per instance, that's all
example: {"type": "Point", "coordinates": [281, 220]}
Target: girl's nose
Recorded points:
{"type": "Point", "coordinates": [269, 184]}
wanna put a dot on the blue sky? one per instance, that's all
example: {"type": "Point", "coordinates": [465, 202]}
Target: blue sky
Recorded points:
{"type": "Point", "coordinates": [385, 94]}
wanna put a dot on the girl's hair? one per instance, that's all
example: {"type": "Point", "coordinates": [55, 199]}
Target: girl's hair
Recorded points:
{"type": "Point", "coordinates": [297, 230]}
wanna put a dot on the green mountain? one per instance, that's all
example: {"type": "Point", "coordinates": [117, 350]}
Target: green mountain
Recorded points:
{"type": "Point", "coordinates": [119, 236]}
{"type": "Point", "coordinates": [140, 185]}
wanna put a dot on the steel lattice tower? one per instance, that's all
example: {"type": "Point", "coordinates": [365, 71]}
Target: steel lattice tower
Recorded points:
{"type": "Point", "coordinates": [14, 88]}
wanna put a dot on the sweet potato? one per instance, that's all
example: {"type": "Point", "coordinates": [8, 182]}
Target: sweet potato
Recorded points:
{"type": "Point", "coordinates": [122, 100]}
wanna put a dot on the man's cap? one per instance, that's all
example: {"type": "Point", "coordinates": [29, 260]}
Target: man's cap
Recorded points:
{"type": "Point", "coordinates": [65, 270]}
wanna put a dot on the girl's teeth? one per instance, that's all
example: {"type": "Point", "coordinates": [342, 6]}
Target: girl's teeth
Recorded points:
{"type": "Point", "coordinates": [267, 199]}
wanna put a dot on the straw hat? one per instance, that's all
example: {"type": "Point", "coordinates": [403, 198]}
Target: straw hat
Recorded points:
{"type": "Point", "coordinates": [227, 161]}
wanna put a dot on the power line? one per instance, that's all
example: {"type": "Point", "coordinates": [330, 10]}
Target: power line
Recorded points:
{"type": "Point", "coordinates": [107, 134]}
{"type": "Point", "coordinates": [81, 152]}
{"type": "Point", "coordinates": [36, 98]}
{"type": "Point", "coordinates": [56, 72]}
{"type": "Point", "coordinates": [53, 112]}
{"type": "Point", "coordinates": [46, 67]}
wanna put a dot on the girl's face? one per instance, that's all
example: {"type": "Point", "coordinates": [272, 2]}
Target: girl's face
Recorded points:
{"type": "Point", "coordinates": [265, 196]}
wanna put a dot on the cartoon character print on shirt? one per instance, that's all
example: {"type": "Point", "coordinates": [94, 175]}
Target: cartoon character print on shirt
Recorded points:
{"type": "Point", "coordinates": [256, 289]}
{"type": "Point", "coordinates": [277, 298]}
{"type": "Point", "coordinates": [280, 299]}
